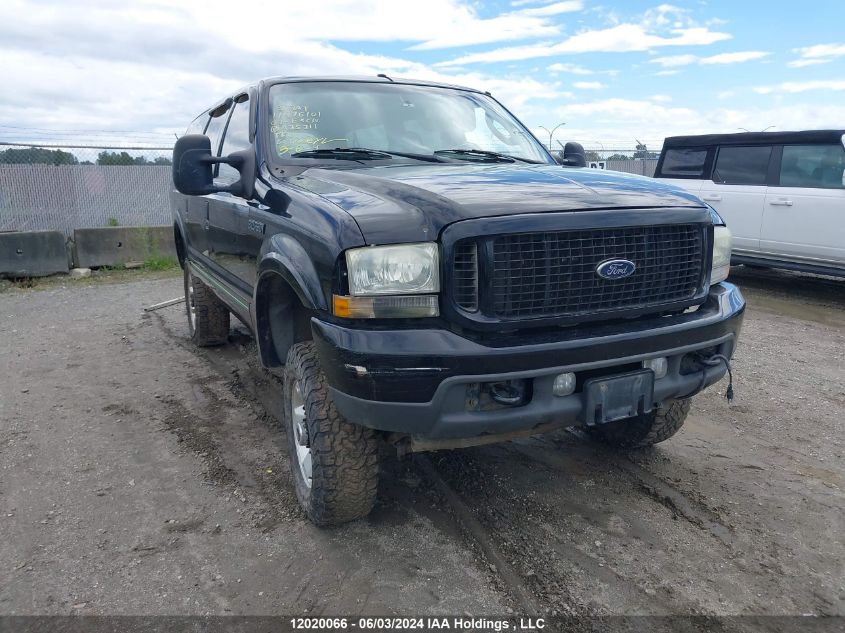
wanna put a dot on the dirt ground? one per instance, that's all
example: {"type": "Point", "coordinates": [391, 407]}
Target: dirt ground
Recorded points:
{"type": "Point", "coordinates": [141, 476]}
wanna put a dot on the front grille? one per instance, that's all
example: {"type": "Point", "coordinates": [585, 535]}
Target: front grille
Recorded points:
{"type": "Point", "coordinates": [553, 274]}
{"type": "Point", "coordinates": [465, 276]}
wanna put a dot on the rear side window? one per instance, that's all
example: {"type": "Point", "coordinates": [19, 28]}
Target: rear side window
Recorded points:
{"type": "Point", "coordinates": [237, 138]}
{"type": "Point", "coordinates": [197, 126]}
{"type": "Point", "coordinates": [684, 163]}
{"type": "Point", "coordinates": [214, 131]}
{"type": "Point", "coordinates": [742, 165]}
{"type": "Point", "coordinates": [814, 166]}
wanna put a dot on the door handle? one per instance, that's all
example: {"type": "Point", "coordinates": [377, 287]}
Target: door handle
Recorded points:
{"type": "Point", "coordinates": [783, 202]}
{"type": "Point", "coordinates": [712, 198]}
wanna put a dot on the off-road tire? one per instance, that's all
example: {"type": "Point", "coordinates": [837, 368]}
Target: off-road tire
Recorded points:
{"type": "Point", "coordinates": [645, 430]}
{"type": "Point", "coordinates": [344, 456]}
{"type": "Point", "coordinates": [211, 323]}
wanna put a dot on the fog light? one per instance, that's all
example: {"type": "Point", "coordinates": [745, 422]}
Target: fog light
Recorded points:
{"type": "Point", "coordinates": [658, 365]}
{"type": "Point", "coordinates": [564, 384]}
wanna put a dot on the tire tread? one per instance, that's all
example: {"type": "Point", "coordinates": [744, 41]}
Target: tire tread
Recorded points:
{"type": "Point", "coordinates": [344, 455]}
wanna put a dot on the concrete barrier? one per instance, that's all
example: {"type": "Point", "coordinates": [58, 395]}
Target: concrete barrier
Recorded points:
{"type": "Point", "coordinates": [116, 245]}
{"type": "Point", "coordinates": [32, 253]}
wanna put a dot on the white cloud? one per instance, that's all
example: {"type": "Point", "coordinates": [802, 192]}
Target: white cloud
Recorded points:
{"type": "Point", "coordinates": [574, 69]}
{"type": "Point", "coordinates": [801, 63]}
{"type": "Point", "coordinates": [661, 98]}
{"type": "Point", "coordinates": [555, 8]}
{"type": "Point", "coordinates": [618, 121]}
{"type": "Point", "coordinates": [734, 58]}
{"type": "Point", "coordinates": [793, 87]}
{"type": "Point", "coordinates": [666, 73]}
{"type": "Point", "coordinates": [665, 25]}
{"type": "Point", "coordinates": [623, 38]}
{"type": "Point", "coordinates": [588, 85]}
{"type": "Point", "coordinates": [154, 67]}
{"type": "Point", "coordinates": [818, 54]}
{"type": "Point", "coordinates": [673, 61]}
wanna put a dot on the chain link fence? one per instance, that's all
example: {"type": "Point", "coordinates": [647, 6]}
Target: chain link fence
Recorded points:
{"type": "Point", "coordinates": [51, 187]}
{"type": "Point", "coordinates": [638, 160]}
{"type": "Point", "coordinates": [62, 188]}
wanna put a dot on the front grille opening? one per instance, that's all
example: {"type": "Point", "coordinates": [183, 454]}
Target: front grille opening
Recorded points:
{"type": "Point", "coordinates": [465, 276]}
{"type": "Point", "coordinates": [553, 274]}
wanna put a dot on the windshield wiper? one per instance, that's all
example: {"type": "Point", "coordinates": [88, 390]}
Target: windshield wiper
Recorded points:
{"type": "Point", "coordinates": [506, 158]}
{"type": "Point", "coordinates": [362, 153]}
{"type": "Point", "coordinates": [342, 153]}
{"type": "Point", "coordinates": [431, 158]}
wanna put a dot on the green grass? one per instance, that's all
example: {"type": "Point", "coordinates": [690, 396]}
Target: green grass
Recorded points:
{"type": "Point", "coordinates": [160, 263]}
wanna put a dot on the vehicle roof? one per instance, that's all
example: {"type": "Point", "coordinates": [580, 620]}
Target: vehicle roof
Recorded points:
{"type": "Point", "coordinates": [755, 138]}
{"type": "Point", "coordinates": [366, 79]}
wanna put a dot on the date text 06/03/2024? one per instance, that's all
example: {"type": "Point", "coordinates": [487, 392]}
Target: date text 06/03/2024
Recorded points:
{"type": "Point", "coordinates": [459, 623]}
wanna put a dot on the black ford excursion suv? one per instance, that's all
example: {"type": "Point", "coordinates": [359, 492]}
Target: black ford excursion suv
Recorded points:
{"type": "Point", "coordinates": [424, 273]}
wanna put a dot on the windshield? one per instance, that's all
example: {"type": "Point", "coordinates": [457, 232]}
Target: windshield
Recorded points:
{"type": "Point", "coordinates": [421, 120]}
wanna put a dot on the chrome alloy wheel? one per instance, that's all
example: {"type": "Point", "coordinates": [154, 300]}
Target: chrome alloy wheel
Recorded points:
{"type": "Point", "coordinates": [300, 433]}
{"type": "Point", "coordinates": [192, 308]}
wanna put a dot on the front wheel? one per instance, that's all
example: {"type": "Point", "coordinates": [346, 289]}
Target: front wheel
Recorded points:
{"type": "Point", "coordinates": [334, 462]}
{"type": "Point", "coordinates": [644, 430]}
{"type": "Point", "coordinates": [208, 317]}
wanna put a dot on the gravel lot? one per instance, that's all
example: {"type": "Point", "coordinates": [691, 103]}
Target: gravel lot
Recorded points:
{"type": "Point", "coordinates": [141, 476]}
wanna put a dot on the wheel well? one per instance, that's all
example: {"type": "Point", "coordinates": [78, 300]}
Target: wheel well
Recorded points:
{"type": "Point", "coordinates": [281, 319]}
{"type": "Point", "coordinates": [180, 245]}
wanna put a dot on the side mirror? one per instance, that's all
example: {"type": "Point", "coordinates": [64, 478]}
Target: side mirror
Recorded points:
{"type": "Point", "coordinates": [244, 162]}
{"type": "Point", "coordinates": [572, 156]}
{"type": "Point", "coordinates": [192, 165]}
{"type": "Point", "coordinates": [574, 152]}
{"type": "Point", "coordinates": [192, 168]}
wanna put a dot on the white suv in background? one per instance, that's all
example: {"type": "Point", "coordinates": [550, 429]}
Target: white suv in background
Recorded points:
{"type": "Point", "coordinates": [782, 194]}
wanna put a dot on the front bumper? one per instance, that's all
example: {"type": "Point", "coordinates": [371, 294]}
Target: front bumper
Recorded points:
{"type": "Point", "coordinates": [415, 381]}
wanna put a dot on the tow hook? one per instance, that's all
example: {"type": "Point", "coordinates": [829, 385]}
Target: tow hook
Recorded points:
{"type": "Point", "coordinates": [715, 361]}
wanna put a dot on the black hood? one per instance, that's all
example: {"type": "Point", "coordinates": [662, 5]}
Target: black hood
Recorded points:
{"type": "Point", "coordinates": [409, 203]}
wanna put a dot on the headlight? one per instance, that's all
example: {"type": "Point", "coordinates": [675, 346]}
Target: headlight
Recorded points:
{"type": "Point", "coordinates": [393, 270]}
{"type": "Point", "coordinates": [722, 244]}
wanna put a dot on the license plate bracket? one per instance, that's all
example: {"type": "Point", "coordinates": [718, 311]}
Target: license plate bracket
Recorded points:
{"type": "Point", "coordinates": [616, 397]}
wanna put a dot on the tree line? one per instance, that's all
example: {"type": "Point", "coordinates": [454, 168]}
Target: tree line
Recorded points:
{"type": "Point", "coordinates": [43, 156]}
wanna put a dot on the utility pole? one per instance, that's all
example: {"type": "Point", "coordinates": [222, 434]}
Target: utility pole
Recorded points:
{"type": "Point", "coordinates": [552, 133]}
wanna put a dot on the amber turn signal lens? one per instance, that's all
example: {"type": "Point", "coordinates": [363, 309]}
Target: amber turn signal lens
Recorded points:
{"type": "Point", "coordinates": [385, 307]}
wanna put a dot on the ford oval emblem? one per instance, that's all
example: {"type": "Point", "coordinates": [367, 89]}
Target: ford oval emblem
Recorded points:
{"type": "Point", "coordinates": [616, 269]}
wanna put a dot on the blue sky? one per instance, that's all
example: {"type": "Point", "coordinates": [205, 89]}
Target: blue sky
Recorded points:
{"type": "Point", "coordinates": [612, 71]}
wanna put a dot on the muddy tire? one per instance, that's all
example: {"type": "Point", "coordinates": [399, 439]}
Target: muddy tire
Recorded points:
{"type": "Point", "coordinates": [208, 317]}
{"type": "Point", "coordinates": [334, 463]}
{"type": "Point", "coordinates": [646, 430]}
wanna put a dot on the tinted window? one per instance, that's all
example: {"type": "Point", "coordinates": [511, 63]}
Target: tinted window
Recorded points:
{"type": "Point", "coordinates": [818, 166]}
{"type": "Point", "coordinates": [197, 126]}
{"type": "Point", "coordinates": [237, 138]}
{"type": "Point", "coordinates": [742, 165]}
{"type": "Point", "coordinates": [684, 163]}
{"type": "Point", "coordinates": [214, 131]}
